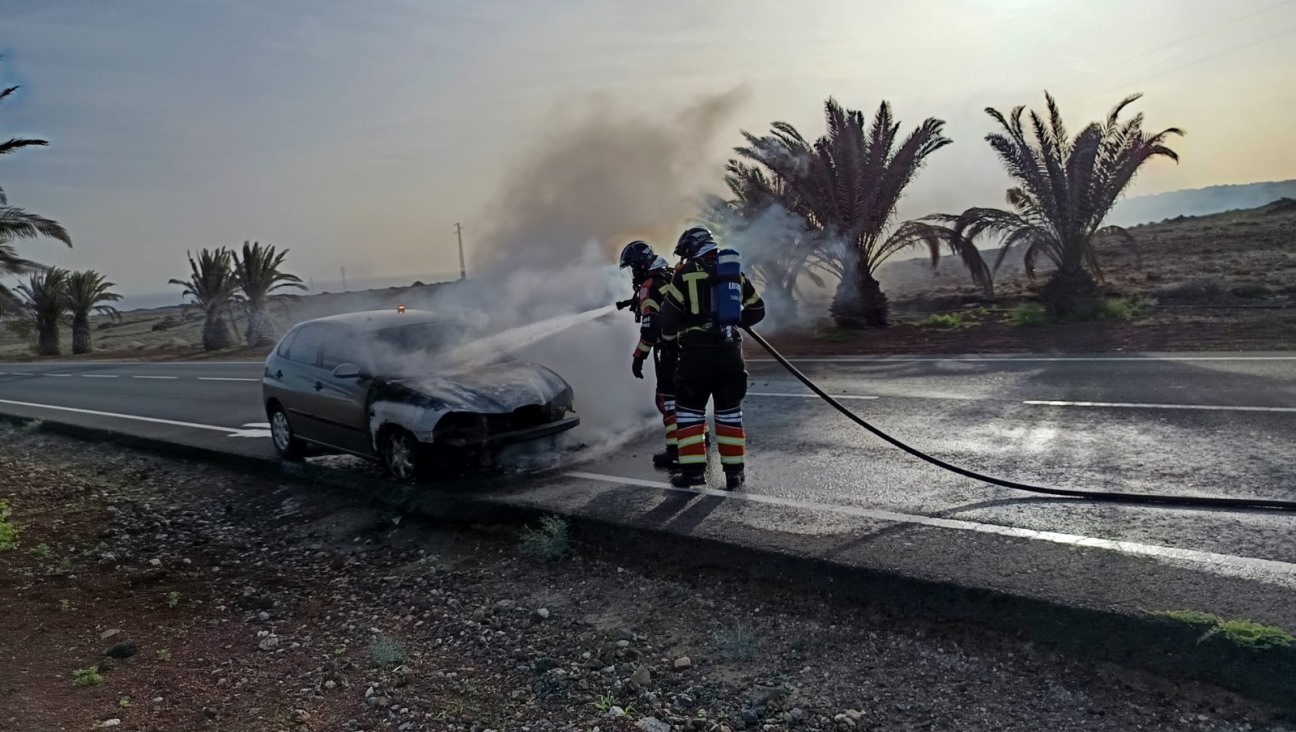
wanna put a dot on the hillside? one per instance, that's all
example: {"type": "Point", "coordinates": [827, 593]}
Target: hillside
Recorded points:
{"type": "Point", "coordinates": [1203, 271]}
{"type": "Point", "coordinates": [1200, 202]}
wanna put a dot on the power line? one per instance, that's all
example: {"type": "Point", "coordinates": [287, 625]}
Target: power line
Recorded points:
{"type": "Point", "coordinates": [1159, 74]}
{"type": "Point", "coordinates": [1172, 44]}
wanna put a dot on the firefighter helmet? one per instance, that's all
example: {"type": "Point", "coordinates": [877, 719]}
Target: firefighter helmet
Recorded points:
{"type": "Point", "coordinates": [638, 256]}
{"type": "Point", "coordinates": [694, 243]}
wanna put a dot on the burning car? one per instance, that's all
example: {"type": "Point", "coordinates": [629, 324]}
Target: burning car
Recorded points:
{"type": "Point", "coordinates": [385, 386]}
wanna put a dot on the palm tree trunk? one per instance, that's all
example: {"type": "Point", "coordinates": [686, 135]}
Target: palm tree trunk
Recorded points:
{"type": "Point", "coordinates": [1071, 293]}
{"type": "Point", "coordinates": [216, 333]}
{"type": "Point", "coordinates": [80, 335]}
{"type": "Point", "coordinates": [260, 328]}
{"type": "Point", "coordinates": [48, 338]}
{"type": "Point", "coordinates": [859, 302]}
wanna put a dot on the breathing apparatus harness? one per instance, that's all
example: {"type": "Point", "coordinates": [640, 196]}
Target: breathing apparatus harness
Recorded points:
{"type": "Point", "coordinates": [1108, 496]}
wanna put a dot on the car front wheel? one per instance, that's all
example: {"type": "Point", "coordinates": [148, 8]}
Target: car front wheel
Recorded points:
{"type": "Point", "coordinates": [285, 440]}
{"type": "Point", "coordinates": [400, 454]}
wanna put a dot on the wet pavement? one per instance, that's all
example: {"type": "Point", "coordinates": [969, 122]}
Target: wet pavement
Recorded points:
{"type": "Point", "coordinates": [1202, 424]}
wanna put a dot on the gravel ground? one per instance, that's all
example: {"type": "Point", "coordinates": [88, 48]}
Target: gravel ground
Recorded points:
{"type": "Point", "coordinates": [208, 599]}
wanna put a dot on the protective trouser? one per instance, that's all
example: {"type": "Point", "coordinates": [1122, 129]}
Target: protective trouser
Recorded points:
{"type": "Point", "coordinates": [706, 373]}
{"type": "Point", "coordinates": [665, 363]}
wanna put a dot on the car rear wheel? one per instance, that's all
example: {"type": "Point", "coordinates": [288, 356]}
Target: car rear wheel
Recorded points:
{"type": "Point", "coordinates": [400, 454]}
{"type": "Point", "coordinates": [281, 433]}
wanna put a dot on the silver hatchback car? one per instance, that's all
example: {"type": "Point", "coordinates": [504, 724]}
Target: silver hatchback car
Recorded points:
{"type": "Point", "coordinates": [376, 384]}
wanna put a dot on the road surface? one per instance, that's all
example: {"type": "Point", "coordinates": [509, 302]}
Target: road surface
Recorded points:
{"type": "Point", "coordinates": [1208, 424]}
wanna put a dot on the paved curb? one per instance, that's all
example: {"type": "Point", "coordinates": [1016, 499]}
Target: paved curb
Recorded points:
{"type": "Point", "coordinates": [1170, 649]}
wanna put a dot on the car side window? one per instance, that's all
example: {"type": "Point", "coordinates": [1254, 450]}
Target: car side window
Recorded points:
{"type": "Point", "coordinates": [339, 348]}
{"type": "Point", "coordinates": [306, 345]}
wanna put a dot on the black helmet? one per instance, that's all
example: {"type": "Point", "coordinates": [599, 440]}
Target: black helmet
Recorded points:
{"type": "Point", "coordinates": [694, 242]}
{"type": "Point", "coordinates": [638, 256]}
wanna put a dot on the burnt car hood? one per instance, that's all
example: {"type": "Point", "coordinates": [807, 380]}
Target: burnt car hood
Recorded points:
{"type": "Point", "coordinates": [494, 389]}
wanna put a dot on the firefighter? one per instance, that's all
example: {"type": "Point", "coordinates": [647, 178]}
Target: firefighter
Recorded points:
{"type": "Point", "coordinates": [651, 273]}
{"type": "Point", "coordinates": [694, 315]}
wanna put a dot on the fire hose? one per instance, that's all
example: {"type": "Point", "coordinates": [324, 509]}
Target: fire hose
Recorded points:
{"type": "Point", "coordinates": [1116, 497]}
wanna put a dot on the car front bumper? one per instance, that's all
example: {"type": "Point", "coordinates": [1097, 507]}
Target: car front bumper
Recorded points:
{"type": "Point", "coordinates": [500, 439]}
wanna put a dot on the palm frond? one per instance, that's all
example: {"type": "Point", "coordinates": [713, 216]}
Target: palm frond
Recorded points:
{"type": "Point", "coordinates": [15, 223]}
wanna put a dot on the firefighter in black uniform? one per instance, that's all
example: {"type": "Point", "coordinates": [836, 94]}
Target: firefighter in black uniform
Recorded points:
{"type": "Point", "coordinates": [651, 273]}
{"type": "Point", "coordinates": [710, 361]}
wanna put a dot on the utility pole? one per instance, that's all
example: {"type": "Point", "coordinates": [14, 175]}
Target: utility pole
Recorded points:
{"type": "Point", "coordinates": [344, 287]}
{"type": "Point", "coordinates": [463, 273]}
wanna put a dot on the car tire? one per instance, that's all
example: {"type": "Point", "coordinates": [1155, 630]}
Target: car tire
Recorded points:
{"type": "Point", "coordinates": [282, 435]}
{"type": "Point", "coordinates": [400, 455]}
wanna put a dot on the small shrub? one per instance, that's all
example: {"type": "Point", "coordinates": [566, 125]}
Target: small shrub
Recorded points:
{"type": "Point", "coordinates": [737, 643]}
{"type": "Point", "coordinates": [164, 654]}
{"type": "Point", "coordinates": [1242, 633]}
{"type": "Point", "coordinates": [386, 651]}
{"type": "Point", "coordinates": [87, 676]}
{"type": "Point", "coordinates": [32, 426]}
{"type": "Point", "coordinates": [166, 323]}
{"type": "Point", "coordinates": [1028, 314]}
{"type": "Point", "coordinates": [8, 532]}
{"type": "Point", "coordinates": [941, 320]}
{"type": "Point", "coordinates": [123, 702]}
{"type": "Point", "coordinates": [173, 599]}
{"type": "Point", "coordinates": [42, 551]}
{"type": "Point", "coordinates": [66, 606]}
{"type": "Point", "coordinates": [549, 543]}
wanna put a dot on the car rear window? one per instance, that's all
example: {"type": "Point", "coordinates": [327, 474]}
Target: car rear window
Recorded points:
{"type": "Point", "coordinates": [306, 345]}
{"type": "Point", "coordinates": [428, 337]}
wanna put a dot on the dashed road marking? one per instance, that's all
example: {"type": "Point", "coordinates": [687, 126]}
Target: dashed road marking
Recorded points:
{"type": "Point", "coordinates": [156, 378]}
{"type": "Point", "coordinates": [1131, 405]}
{"type": "Point", "coordinates": [1023, 359]}
{"type": "Point", "coordinates": [99, 376]}
{"type": "Point", "coordinates": [1265, 570]}
{"type": "Point", "coordinates": [225, 378]}
{"type": "Point", "coordinates": [116, 415]}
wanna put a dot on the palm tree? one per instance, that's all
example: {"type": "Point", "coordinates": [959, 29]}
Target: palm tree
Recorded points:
{"type": "Point", "coordinates": [1065, 187]}
{"type": "Point", "coordinates": [44, 307]}
{"type": "Point", "coordinates": [15, 223]}
{"type": "Point", "coordinates": [12, 265]}
{"type": "Point", "coordinates": [258, 275]}
{"type": "Point", "coordinates": [211, 284]}
{"type": "Point", "coordinates": [846, 185]}
{"type": "Point", "coordinates": [86, 293]}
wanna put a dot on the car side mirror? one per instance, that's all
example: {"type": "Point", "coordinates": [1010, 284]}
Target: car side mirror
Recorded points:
{"type": "Point", "coordinates": [348, 371]}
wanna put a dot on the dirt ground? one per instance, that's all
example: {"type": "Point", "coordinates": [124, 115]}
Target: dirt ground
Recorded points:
{"type": "Point", "coordinates": [240, 603]}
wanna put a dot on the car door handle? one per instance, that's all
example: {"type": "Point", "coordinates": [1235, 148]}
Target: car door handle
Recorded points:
{"type": "Point", "coordinates": [318, 386]}
{"type": "Point", "coordinates": [279, 375]}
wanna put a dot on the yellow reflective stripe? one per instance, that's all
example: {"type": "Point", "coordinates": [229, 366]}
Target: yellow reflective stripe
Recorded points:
{"type": "Point", "coordinates": [649, 306]}
{"type": "Point", "coordinates": [692, 279]}
{"type": "Point", "coordinates": [670, 291]}
{"type": "Point", "coordinates": [739, 441]}
{"type": "Point", "coordinates": [643, 347]}
{"type": "Point", "coordinates": [692, 459]}
{"type": "Point", "coordinates": [728, 460]}
{"type": "Point", "coordinates": [755, 297]}
{"type": "Point", "coordinates": [686, 441]}
{"type": "Point", "coordinates": [667, 338]}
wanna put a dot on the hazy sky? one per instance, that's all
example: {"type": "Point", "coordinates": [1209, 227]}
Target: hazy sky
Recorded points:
{"type": "Point", "coordinates": [358, 133]}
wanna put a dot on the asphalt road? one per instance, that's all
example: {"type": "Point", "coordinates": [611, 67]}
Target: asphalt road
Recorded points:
{"type": "Point", "coordinates": [1208, 424]}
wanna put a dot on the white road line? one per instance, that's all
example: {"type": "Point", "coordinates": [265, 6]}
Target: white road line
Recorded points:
{"type": "Point", "coordinates": [23, 373]}
{"type": "Point", "coordinates": [99, 376]}
{"type": "Point", "coordinates": [804, 396]}
{"type": "Point", "coordinates": [1264, 570]}
{"type": "Point", "coordinates": [61, 376]}
{"type": "Point", "coordinates": [1022, 359]}
{"type": "Point", "coordinates": [1128, 405]}
{"type": "Point", "coordinates": [166, 378]}
{"type": "Point", "coordinates": [136, 418]}
{"type": "Point", "coordinates": [225, 378]}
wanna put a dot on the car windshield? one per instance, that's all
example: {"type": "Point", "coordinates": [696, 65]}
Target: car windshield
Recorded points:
{"type": "Point", "coordinates": [403, 349]}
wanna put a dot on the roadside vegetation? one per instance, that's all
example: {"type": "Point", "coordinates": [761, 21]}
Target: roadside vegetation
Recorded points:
{"type": "Point", "coordinates": [1243, 633]}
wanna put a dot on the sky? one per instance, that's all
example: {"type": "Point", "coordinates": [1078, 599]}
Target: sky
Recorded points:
{"type": "Point", "coordinates": [357, 134]}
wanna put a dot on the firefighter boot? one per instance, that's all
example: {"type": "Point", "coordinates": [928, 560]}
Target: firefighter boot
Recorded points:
{"type": "Point", "coordinates": [668, 458]}
{"type": "Point", "coordinates": [734, 479]}
{"type": "Point", "coordinates": [688, 479]}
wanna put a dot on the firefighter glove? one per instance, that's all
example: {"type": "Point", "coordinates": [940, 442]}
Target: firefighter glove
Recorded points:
{"type": "Point", "coordinates": [636, 367]}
